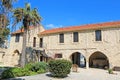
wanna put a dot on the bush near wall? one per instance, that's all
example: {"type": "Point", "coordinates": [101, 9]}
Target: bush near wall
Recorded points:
{"type": "Point", "coordinates": [40, 67]}
{"type": "Point", "coordinates": [60, 68]}
{"type": "Point", "coordinates": [28, 70]}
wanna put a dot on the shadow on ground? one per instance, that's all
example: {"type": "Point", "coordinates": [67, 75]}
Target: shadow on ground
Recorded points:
{"type": "Point", "coordinates": [49, 75]}
{"type": "Point", "coordinates": [15, 79]}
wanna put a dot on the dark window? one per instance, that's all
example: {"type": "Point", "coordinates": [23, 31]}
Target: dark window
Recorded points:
{"type": "Point", "coordinates": [41, 42]}
{"type": "Point", "coordinates": [17, 38]}
{"type": "Point", "coordinates": [61, 38]}
{"type": "Point", "coordinates": [75, 37]}
{"type": "Point", "coordinates": [58, 55]}
{"type": "Point", "coordinates": [98, 35]}
{"type": "Point", "coordinates": [34, 42]}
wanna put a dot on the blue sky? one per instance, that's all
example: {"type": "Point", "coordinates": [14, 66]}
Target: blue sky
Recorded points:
{"type": "Point", "coordinates": [62, 13]}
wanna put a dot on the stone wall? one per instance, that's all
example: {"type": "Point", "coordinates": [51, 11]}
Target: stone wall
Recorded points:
{"type": "Point", "coordinates": [12, 57]}
{"type": "Point", "coordinates": [110, 44]}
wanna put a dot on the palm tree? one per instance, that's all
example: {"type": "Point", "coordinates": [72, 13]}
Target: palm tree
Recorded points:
{"type": "Point", "coordinates": [7, 3]}
{"type": "Point", "coordinates": [27, 17]}
{"type": "Point", "coordinates": [5, 9]}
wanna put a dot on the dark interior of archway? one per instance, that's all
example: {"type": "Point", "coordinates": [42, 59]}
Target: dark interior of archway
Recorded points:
{"type": "Point", "coordinates": [16, 51]}
{"type": "Point", "coordinates": [98, 60]}
{"type": "Point", "coordinates": [79, 59]}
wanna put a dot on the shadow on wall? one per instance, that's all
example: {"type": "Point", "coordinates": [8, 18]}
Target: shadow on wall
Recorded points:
{"type": "Point", "coordinates": [32, 55]}
{"type": "Point", "coordinates": [35, 55]}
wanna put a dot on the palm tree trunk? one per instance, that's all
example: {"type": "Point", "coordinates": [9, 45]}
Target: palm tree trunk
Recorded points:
{"type": "Point", "coordinates": [23, 55]}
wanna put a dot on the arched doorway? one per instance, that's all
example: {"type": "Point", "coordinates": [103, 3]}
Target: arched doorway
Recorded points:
{"type": "Point", "coordinates": [98, 60]}
{"type": "Point", "coordinates": [79, 59]}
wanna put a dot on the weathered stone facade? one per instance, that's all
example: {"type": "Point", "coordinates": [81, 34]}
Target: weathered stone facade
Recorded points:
{"type": "Point", "coordinates": [13, 53]}
{"type": "Point", "coordinates": [104, 53]}
{"type": "Point", "coordinates": [109, 46]}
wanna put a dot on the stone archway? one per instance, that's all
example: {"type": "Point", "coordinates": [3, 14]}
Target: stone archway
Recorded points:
{"type": "Point", "coordinates": [98, 60]}
{"type": "Point", "coordinates": [79, 59]}
{"type": "Point", "coordinates": [16, 52]}
{"type": "Point", "coordinates": [16, 58]}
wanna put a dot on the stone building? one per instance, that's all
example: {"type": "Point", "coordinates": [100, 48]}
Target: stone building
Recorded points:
{"type": "Point", "coordinates": [92, 45]}
{"type": "Point", "coordinates": [33, 52]}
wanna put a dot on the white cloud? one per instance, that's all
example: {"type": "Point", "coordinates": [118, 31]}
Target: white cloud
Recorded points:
{"type": "Point", "coordinates": [50, 26]}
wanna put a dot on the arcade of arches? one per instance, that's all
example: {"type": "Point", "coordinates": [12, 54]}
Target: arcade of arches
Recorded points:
{"type": "Point", "coordinates": [96, 60]}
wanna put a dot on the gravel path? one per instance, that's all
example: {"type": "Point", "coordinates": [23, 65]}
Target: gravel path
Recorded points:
{"type": "Point", "coordinates": [82, 74]}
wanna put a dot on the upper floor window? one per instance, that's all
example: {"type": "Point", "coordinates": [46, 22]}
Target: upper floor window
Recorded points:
{"type": "Point", "coordinates": [75, 37]}
{"type": "Point", "coordinates": [34, 42]}
{"type": "Point", "coordinates": [61, 38]}
{"type": "Point", "coordinates": [98, 35]}
{"type": "Point", "coordinates": [41, 42]}
{"type": "Point", "coordinates": [17, 38]}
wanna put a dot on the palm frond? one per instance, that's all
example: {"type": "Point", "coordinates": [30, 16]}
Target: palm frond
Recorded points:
{"type": "Point", "coordinates": [8, 3]}
{"type": "Point", "coordinates": [27, 16]}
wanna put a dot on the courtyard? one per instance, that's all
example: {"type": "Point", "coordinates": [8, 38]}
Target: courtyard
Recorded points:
{"type": "Point", "coordinates": [82, 74]}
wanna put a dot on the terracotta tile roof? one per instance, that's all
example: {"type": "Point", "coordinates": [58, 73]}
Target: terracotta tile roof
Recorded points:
{"type": "Point", "coordinates": [21, 30]}
{"type": "Point", "coordinates": [82, 27]}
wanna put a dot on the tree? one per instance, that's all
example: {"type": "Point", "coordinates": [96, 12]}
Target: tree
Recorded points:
{"type": "Point", "coordinates": [5, 10]}
{"type": "Point", "coordinates": [3, 21]}
{"type": "Point", "coordinates": [6, 7]}
{"type": "Point", "coordinates": [7, 4]}
{"type": "Point", "coordinates": [27, 17]}
{"type": "Point", "coordinates": [4, 32]}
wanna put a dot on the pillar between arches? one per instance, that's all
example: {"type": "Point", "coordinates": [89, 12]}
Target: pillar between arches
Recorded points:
{"type": "Point", "coordinates": [87, 63]}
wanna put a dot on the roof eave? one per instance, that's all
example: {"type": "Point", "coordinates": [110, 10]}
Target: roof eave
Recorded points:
{"type": "Point", "coordinates": [94, 28]}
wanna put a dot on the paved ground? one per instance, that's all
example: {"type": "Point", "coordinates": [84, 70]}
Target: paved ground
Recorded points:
{"type": "Point", "coordinates": [82, 74]}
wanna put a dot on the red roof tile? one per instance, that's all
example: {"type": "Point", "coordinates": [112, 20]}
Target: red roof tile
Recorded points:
{"type": "Point", "coordinates": [21, 30]}
{"type": "Point", "coordinates": [82, 27]}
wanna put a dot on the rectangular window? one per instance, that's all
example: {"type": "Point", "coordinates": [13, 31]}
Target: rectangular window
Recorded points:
{"type": "Point", "coordinates": [34, 42]}
{"type": "Point", "coordinates": [41, 42]}
{"type": "Point", "coordinates": [75, 37]}
{"type": "Point", "coordinates": [98, 35]}
{"type": "Point", "coordinates": [58, 55]}
{"type": "Point", "coordinates": [61, 38]}
{"type": "Point", "coordinates": [17, 38]}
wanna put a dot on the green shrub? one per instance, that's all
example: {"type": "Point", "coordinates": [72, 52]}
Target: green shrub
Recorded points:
{"type": "Point", "coordinates": [7, 74]}
{"type": "Point", "coordinates": [14, 72]}
{"type": "Point", "coordinates": [110, 71]}
{"type": "Point", "coordinates": [40, 66]}
{"type": "Point", "coordinates": [29, 66]}
{"type": "Point", "coordinates": [17, 71]}
{"type": "Point", "coordinates": [29, 69]}
{"type": "Point", "coordinates": [25, 72]}
{"type": "Point", "coordinates": [32, 73]}
{"type": "Point", "coordinates": [41, 71]}
{"type": "Point", "coordinates": [59, 68]}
